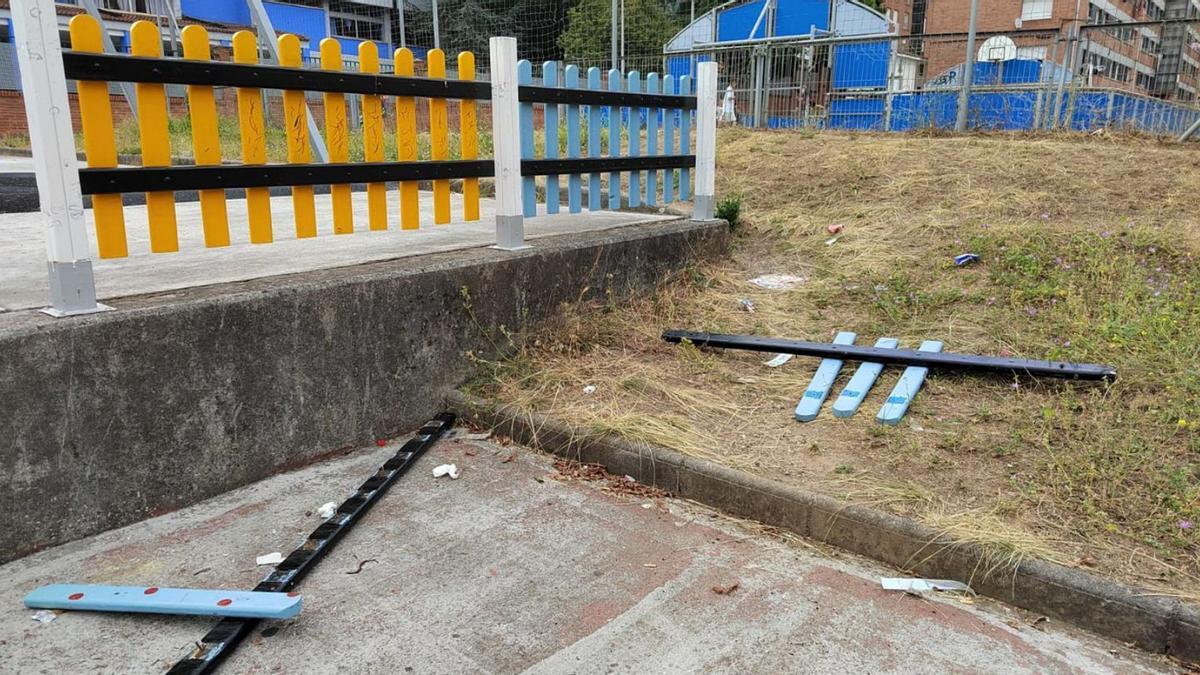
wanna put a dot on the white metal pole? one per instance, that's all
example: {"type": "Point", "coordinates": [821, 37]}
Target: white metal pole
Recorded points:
{"type": "Point", "coordinates": [964, 94]}
{"type": "Point", "coordinates": [44, 89]}
{"type": "Point", "coordinates": [706, 140]}
{"type": "Point", "coordinates": [613, 34]}
{"type": "Point", "coordinates": [400, 13]}
{"type": "Point", "coordinates": [506, 134]}
{"type": "Point", "coordinates": [437, 35]}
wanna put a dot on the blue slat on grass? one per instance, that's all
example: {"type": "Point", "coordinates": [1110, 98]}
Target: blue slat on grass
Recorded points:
{"type": "Point", "coordinates": [864, 378]}
{"type": "Point", "coordinates": [550, 79]}
{"type": "Point", "coordinates": [528, 183]}
{"type": "Point", "coordinates": [635, 141]}
{"type": "Point", "coordinates": [574, 181]}
{"type": "Point", "coordinates": [685, 139]}
{"type": "Point", "coordinates": [910, 383]}
{"type": "Point", "coordinates": [652, 141]}
{"type": "Point", "coordinates": [615, 123]}
{"type": "Point", "coordinates": [154, 600]}
{"type": "Point", "coordinates": [594, 192]}
{"type": "Point", "coordinates": [669, 141]}
{"type": "Point", "coordinates": [818, 390]}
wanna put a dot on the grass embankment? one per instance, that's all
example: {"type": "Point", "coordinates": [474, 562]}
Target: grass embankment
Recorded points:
{"type": "Point", "coordinates": [1089, 253]}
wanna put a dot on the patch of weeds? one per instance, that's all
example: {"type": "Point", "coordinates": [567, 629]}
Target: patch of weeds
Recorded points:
{"type": "Point", "coordinates": [729, 209]}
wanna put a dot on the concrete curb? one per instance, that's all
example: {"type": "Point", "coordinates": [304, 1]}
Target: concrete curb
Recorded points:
{"type": "Point", "coordinates": [1154, 623]}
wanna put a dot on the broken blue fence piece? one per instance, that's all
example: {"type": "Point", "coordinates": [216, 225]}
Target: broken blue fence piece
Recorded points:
{"type": "Point", "coordinates": [897, 403]}
{"type": "Point", "coordinates": [864, 378]}
{"type": "Point", "coordinates": [818, 390]}
{"type": "Point", "coordinates": [154, 600]}
{"type": "Point", "coordinates": [965, 259]}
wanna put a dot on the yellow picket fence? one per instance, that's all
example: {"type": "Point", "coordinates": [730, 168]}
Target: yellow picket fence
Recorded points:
{"type": "Point", "coordinates": [99, 140]}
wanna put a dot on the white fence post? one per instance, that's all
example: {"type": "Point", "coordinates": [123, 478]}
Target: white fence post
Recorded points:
{"type": "Point", "coordinates": [706, 140]}
{"type": "Point", "coordinates": [44, 86]}
{"type": "Point", "coordinates": [506, 135]}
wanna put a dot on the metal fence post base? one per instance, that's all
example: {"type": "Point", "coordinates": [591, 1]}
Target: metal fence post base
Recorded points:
{"type": "Point", "coordinates": [72, 289]}
{"type": "Point", "coordinates": [510, 233]}
{"type": "Point", "coordinates": [702, 207]}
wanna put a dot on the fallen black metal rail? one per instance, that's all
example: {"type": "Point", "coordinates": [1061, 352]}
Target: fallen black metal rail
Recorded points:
{"type": "Point", "coordinates": [226, 635]}
{"type": "Point", "coordinates": [900, 357]}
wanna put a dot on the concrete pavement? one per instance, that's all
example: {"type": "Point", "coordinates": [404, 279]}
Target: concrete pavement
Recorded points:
{"type": "Point", "coordinates": [516, 567]}
{"type": "Point", "coordinates": [23, 282]}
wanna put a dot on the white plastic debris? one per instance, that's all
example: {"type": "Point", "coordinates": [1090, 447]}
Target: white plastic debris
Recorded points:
{"type": "Point", "coordinates": [44, 616]}
{"type": "Point", "coordinates": [590, 389]}
{"type": "Point", "coordinates": [327, 510]}
{"type": "Point", "coordinates": [269, 559]}
{"type": "Point", "coordinates": [446, 470]}
{"type": "Point", "coordinates": [746, 304]}
{"type": "Point", "coordinates": [921, 585]}
{"type": "Point", "coordinates": [779, 360]}
{"type": "Point", "coordinates": [777, 282]}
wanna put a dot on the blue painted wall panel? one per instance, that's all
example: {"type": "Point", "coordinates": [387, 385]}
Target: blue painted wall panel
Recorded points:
{"type": "Point", "coordinates": [861, 66]}
{"type": "Point", "coordinates": [735, 23]}
{"type": "Point", "coordinates": [798, 17]}
{"type": "Point", "coordinates": [228, 11]}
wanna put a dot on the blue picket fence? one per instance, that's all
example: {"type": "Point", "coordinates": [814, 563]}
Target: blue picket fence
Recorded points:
{"type": "Point", "coordinates": [609, 131]}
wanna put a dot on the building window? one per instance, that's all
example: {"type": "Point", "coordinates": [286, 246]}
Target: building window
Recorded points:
{"type": "Point", "coordinates": [1032, 10]}
{"type": "Point", "coordinates": [1145, 81]}
{"type": "Point", "coordinates": [1150, 44]}
{"type": "Point", "coordinates": [358, 28]}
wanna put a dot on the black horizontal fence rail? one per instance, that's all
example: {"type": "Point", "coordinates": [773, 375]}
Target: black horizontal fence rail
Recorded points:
{"type": "Point", "coordinates": [177, 178]}
{"type": "Point", "coordinates": [120, 68]}
{"type": "Point", "coordinates": [626, 99]}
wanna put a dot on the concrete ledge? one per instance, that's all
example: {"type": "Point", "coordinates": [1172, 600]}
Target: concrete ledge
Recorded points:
{"type": "Point", "coordinates": [1155, 623]}
{"type": "Point", "coordinates": [176, 397]}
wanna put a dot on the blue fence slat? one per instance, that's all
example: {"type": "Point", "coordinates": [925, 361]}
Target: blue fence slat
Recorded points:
{"type": "Point", "coordinates": [614, 141]}
{"type": "Point", "coordinates": [635, 140]}
{"type": "Point", "coordinates": [594, 203]}
{"type": "Point", "coordinates": [155, 600]}
{"type": "Point", "coordinates": [818, 390]}
{"type": "Point", "coordinates": [574, 181]}
{"type": "Point", "coordinates": [550, 79]}
{"type": "Point", "coordinates": [864, 378]}
{"type": "Point", "coordinates": [668, 87]}
{"type": "Point", "coordinates": [652, 141]}
{"type": "Point", "coordinates": [528, 184]}
{"type": "Point", "coordinates": [897, 403]}
{"type": "Point", "coordinates": [685, 139]}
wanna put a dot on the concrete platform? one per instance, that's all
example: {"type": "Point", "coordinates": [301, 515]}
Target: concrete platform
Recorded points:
{"type": "Point", "coordinates": [515, 568]}
{"type": "Point", "coordinates": [23, 281]}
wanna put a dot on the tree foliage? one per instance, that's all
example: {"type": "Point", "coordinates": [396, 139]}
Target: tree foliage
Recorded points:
{"type": "Point", "coordinates": [648, 26]}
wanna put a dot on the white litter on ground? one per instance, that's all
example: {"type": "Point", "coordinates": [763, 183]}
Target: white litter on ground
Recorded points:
{"type": "Point", "coordinates": [327, 510]}
{"type": "Point", "coordinates": [921, 585]}
{"type": "Point", "coordinates": [446, 470]}
{"type": "Point", "coordinates": [779, 360]}
{"type": "Point", "coordinates": [590, 389]}
{"type": "Point", "coordinates": [777, 282]}
{"type": "Point", "coordinates": [269, 559]}
{"type": "Point", "coordinates": [44, 616]}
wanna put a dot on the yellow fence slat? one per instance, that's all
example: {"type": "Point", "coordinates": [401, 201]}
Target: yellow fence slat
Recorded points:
{"type": "Point", "coordinates": [99, 142]}
{"type": "Point", "coordinates": [372, 122]}
{"type": "Point", "coordinates": [406, 144]}
{"type": "Point", "coordinates": [469, 135]}
{"type": "Point", "coordinates": [254, 139]}
{"type": "Point", "coordinates": [337, 137]}
{"type": "Point", "coordinates": [206, 142]}
{"type": "Point", "coordinates": [155, 139]}
{"type": "Point", "coordinates": [439, 138]}
{"type": "Point", "coordinates": [295, 122]}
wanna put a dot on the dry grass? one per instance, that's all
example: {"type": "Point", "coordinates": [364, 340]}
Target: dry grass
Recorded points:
{"type": "Point", "coordinates": [1089, 252]}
